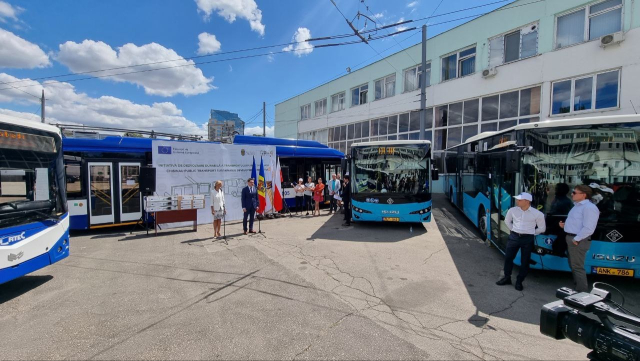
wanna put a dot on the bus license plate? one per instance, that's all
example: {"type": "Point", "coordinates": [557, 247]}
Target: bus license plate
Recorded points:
{"type": "Point", "coordinates": [390, 219]}
{"type": "Point", "coordinates": [612, 271]}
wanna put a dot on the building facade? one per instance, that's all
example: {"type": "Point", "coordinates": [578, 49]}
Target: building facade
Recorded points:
{"type": "Point", "coordinates": [223, 124]}
{"type": "Point", "coordinates": [528, 61]}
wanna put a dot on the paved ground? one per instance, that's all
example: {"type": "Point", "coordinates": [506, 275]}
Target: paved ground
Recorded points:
{"type": "Point", "coordinates": [307, 289]}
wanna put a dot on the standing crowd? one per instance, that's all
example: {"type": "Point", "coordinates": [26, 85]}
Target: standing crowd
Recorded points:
{"type": "Point", "coordinates": [307, 195]}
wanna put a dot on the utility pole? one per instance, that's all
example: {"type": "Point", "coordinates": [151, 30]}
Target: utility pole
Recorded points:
{"type": "Point", "coordinates": [423, 83]}
{"type": "Point", "coordinates": [42, 107]}
{"type": "Point", "coordinates": [264, 120]}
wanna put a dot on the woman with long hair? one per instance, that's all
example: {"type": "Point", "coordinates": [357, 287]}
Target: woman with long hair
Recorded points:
{"type": "Point", "coordinates": [218, 208]}
{"type": "Point", "coordinates": [318, 196]}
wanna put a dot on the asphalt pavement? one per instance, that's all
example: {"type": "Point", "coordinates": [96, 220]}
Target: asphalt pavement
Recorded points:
{"type": "Point", "coordinates": [308, 288]}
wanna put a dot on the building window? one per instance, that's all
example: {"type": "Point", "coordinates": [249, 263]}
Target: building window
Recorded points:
{"type": "Point", "coordinates": [519, 44]}
{"type": "Point", "coordinates": [321, 107]}
{"type": "Point", "coordinates": [337, 102]}
{"type": "Point", "coordinates": [459, 64]}
{"type": "Point", "coordinates": [412, 77]}
{"type": "Point", "coordinates": [593, 92]}
{"type": "Point", "coordinates": [305, 111]}
{"type": "Point", "coordinates": [589, 23]}
{"type": "Point", "coordinates": [359, 95]}
{"type": "Point", "coordinates": [385, 87]}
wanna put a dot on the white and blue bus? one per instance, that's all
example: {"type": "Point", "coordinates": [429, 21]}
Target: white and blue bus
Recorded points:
{"type": "Point", "coordinates": [34, 224]}
{"type": "Point", "coordinates": [548, 159]}
{"type": "Point", "coordinates": [391, 181]}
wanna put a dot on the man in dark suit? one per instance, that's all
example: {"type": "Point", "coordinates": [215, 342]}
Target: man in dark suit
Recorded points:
{"type": "Point", "coordinates": [249, 204]}
{"type": "Point", "coordinates": [346, 199]}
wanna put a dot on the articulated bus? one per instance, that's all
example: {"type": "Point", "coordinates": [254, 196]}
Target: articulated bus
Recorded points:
{"type": "Point", "coordinates": [548, 159]}
{"type": "Point", "coordinates": [391, 181]}
{"type": "Point", "coordinates": [34, 224]}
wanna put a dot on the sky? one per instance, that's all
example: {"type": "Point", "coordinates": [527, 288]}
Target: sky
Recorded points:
{"type": "Point", "coordinates": [185, 56]}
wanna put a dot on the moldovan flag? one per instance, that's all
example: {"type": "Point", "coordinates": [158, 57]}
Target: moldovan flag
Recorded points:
{"type": "Point", "coordinates": [261, 189]}
{"type": "Point", "coordinates": [277, 196]}
{"type": "Point", "coordinates": [254, 174]}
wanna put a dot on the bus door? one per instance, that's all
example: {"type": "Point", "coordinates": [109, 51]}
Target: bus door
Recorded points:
{"type": "Point", "coordinates": [100, 192]}
{"type": "Point", "coordinates": [129, 191]}
{"type": "Point", "coordinates": [459, 180]}
{"type": "Point", "coordinates": [502, 192]}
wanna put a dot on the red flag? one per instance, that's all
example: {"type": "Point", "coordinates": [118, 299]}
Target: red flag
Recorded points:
{"type": "Point", "coordinates": [277, 196]}
{"type": "Point", "coordinates": [262, 201]}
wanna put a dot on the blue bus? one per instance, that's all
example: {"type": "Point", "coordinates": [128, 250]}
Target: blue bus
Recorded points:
{"type": "Point", "coordinates": [34, 223]}
{"type": "Point", "coordinates": [391, 181]}
{"type": "Point", "coordinates": [548, 159]}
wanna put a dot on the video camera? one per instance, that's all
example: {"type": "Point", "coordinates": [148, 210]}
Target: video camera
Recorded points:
{"type": "Point", "coordinates": [563, 319]}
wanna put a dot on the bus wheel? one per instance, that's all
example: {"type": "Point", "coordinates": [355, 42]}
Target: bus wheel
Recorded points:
{"type": "Point", "coordinates": [482, 224]}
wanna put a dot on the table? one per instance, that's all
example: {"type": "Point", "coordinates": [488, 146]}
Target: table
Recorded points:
{"type": "Point", "coordinates": [175, 216]}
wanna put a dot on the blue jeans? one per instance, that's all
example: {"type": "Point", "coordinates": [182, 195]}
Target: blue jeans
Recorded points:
{"type": "Point", "coordinates": [524, 244]}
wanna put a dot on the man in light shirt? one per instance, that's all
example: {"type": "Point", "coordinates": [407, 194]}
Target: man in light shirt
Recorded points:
{"type": "Point", "coordinates": [580, 225]}
{"type": "Point", "coordinates": [334, 188]}
{"type": "Point", "coordinates": [524, 222]}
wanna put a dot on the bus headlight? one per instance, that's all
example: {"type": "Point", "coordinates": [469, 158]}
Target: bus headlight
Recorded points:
{"type": "Point", "coordinates": [422, 211]}
{"type": "Point", "coordinates": [360, 210]}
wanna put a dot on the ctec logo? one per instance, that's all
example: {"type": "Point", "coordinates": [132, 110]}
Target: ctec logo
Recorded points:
{"type": "Point", "coordinates": [8, 240]}
{"type": "Point", "coordinates": [164, 149]}
{"type": "Point", "coordinates": [548, 241]}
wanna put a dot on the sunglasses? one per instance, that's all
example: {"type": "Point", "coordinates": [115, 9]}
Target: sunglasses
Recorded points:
{"type": "Point", "coordinates": [574, 192]}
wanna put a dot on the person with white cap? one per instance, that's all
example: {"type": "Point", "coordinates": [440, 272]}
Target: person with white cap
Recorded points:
{"type": "Point", "coordinates": [299, 189]}
{"type": "Point", "coordinates": [524, 222]}
{"type": "Point", "coordinates": [580, 225]}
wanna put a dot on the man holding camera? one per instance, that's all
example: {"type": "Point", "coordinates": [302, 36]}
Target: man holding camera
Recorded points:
{"type": "Point", "coordinates": [580, 225]}
{"type": "Point", "coordinates": [524, 222]}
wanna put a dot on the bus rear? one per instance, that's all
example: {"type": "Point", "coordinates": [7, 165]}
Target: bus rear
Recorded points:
{"type": "Point", "coordinates": [391, 181]}
{"type": "Point", "coordinates": [34, 224]}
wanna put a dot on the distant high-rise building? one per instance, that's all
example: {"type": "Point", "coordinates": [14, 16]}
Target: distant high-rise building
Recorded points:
{"type": "Point", "coordinates": [223, 124]}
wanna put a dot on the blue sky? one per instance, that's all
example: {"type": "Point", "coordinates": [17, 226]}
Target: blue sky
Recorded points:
{"type": "Point", "coordinates": [49, 38]}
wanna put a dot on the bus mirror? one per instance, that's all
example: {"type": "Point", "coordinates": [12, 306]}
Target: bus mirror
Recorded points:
{"type": "Point", "coordinates": [513, 162]}
{"type": "Point", "coordinates": [434, 174]}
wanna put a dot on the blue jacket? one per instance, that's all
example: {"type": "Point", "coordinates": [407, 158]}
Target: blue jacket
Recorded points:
{"type": "Point", "coordinates": [250, 201]}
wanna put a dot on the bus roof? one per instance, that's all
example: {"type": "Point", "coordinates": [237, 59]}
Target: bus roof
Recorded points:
{"type": "Point", "coordinates": [247, 139]}
{"type": "Point", "coordinates": [391, 142]}
{"type": "Point", "coordinates": [553, 123]}
{"type": "Point", "coordinates": [29, 124]}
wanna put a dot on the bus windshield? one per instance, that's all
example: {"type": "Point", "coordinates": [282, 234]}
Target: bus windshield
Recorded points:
{"type": "Point", "coordinates": [29, 184]}
{"type": "Point", "coordinates": [400, 169]}
{"type": "Point", "coordinates": [604, 157]}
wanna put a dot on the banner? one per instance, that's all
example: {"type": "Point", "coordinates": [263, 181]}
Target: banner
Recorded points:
{"type": "Point", "coordinates": [185, 168]}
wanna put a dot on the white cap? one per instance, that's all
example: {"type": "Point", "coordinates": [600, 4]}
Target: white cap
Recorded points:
{"type": "Point", "coordinates": [594, 185]}
{"type": "Point", "coordinates": [606, 189]}
{"type": "Point", "coordinates": [300, 180]}
{"type": "Point", "coordinates": [525, 196]}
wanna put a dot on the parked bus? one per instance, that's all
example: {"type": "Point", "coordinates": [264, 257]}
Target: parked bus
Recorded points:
{"type": "Point", "coordinates": [548, 159]}
{"type": "Point", "coordinates": [391, 181]}
{"type": "Point", "coordinates": [34, 224]}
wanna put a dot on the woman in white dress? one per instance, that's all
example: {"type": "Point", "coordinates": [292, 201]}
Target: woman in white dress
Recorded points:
{"type": "Point", "coordinates": [218, 207]}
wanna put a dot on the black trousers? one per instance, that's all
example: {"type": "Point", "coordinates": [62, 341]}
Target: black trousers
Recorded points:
{"type": "Point", "coordinates": [524, 244]}
{"type": "Point", "coordinates": [299, 202]}
{"type": "Point", "coordinates": [250, 213]}
{"type": "Point", "coordinates": [333, 204]}
{"type": "Point", "coordinates": [307, 203]}
{"type": "Point", "coordinates": [347, 212]}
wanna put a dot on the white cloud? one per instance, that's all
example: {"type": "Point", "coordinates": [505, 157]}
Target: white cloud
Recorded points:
{"type": "Point", "coordinates": [22, 115]}
{"type": "Point", "coordinates": [66, 105]}
{"type": "Point", "coordinates": [9, 12]}
{"type": "Point", "coordinates": [378, 16]}
{"type": "Point", "coordinates": [230, 68]}
{"type": "Point", "coordinates": [412, 4]}
{"type": "Point", "coordinates": [270, 57]}
{"type": "Point", "coordinates": [303, 47]}
{"type": "Point", "coordinates": [15, 52]}
{"type": "Point", "coordinates": [17, 92]}
{"type": "Point", "coordinates": [258, 130]}
{"type": "Point", "coordinates": [208, 44]}
{"type": "Point", "coordinates": [90, 55]}
{"type": "Point", "coordinates": [231, 9]}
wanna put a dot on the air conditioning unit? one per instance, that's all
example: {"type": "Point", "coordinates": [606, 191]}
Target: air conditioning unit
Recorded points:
{"type": "Point", "coordinates": [615, 38]}
{"type": "Point", "coordinates": [488, 73]}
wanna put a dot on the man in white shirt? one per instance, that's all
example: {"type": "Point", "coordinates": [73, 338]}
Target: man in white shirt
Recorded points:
{"type": "Point", "coordinates": [334, 188]}
{"type": "Point", "coordinates": [581, 223]}
{"type": "Point", "coordinates": [524, 222]}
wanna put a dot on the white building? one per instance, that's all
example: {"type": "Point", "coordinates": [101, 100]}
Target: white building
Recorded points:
{"type": "Point", "coordinates": [525, 62]}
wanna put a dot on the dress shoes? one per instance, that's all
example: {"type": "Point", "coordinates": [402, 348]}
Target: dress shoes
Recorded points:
{"type": "Point", "coordinates": [504, 281]}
